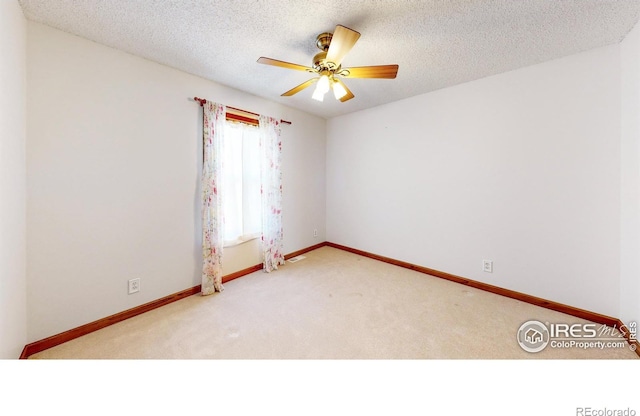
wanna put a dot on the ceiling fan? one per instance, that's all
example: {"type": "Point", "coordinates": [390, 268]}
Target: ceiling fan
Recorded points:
{"type": "Point", "coordinates": [327, 65]}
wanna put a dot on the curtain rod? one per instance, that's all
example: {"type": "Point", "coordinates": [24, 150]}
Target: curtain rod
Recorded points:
{"type": "Point", "coordinates": [203, 101]}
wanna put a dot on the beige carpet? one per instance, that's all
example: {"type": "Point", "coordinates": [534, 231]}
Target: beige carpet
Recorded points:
{"type": "Point", "coordinates": [331, 305]}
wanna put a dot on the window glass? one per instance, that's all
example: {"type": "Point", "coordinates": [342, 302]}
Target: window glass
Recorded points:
{"type": "Point", "coordinates": [241, 181]}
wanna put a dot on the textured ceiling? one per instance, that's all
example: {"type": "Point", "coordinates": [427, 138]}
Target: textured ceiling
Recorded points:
{"type": "Point", "coordinates": [436, 43]}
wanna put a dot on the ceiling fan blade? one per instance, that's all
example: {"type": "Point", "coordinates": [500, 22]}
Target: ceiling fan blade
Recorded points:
{"type": "Point", "coordinates": [299, 87]}
{"type": "Point", "coordinates": [349, 95]}
{"type": "Point", "coordinates": [283, 64]}
{"type": "Point", "coordinates": [341, 43]}
{"type": "Point", "coordinates": [380, 71]}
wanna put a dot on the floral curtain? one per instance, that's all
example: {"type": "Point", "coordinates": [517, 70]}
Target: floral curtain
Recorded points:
{"type": "Point", "coordinates": [271, 178]}
{"type": "Point", "coordinates": [212, 232]}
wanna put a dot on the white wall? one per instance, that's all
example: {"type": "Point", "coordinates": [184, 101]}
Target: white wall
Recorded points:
{"type": "Point", "coordinates": [630, 174]}
{"type": "Point", "coordinates": [521, 168]}
{"type": "Point", "coordinates": [13, 306]}
{"type": "Point", "coordinates": [113, 159]}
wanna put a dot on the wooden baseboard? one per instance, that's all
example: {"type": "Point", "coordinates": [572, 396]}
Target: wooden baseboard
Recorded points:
{"type": "Point", "coordinates": [52, 341]}
{"type": "Point", "coordinates": [305, 250]}
{"type": "Point", "coordinates": [240, 273]}
{"type": "Point", "coordinates": [570, 310]}
{"type": "Point", "coordinates": [74, 333]}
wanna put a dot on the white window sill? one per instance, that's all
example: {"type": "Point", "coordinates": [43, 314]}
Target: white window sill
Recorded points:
{"type": "Point", "coordinates": [241, 240]}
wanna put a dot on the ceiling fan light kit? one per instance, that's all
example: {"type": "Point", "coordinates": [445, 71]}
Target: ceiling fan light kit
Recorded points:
{"type": "Point", "coordinates": [327, 64]}
{"type": "Point", "coordinates": [338, 90]}
{"type": "Point", "coordinates": [322, 87]}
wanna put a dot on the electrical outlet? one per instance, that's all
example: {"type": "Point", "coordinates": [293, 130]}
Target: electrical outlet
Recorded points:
{"type": "Point", "coordinates": [487, 266]}
{"type": "Point", "coordinates": [134, 285]}
{"type": "Point", "coordinates": [315, 232]}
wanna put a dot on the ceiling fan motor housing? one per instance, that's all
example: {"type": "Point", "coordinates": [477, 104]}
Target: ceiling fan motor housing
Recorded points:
{"type": "Point", "coordinates": [320, 63]}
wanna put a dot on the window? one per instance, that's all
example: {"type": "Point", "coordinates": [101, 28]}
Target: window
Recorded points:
{"type": "Point", "coordinates": [241, 182]}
